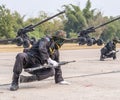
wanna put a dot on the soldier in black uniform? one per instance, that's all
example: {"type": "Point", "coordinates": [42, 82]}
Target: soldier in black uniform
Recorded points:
{"type": "Point", "coordinates": [109, 50]}
{"type": "Point", "coordinates": [46, 50]}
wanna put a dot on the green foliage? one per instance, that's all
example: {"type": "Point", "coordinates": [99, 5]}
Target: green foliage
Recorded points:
{"type": "Point", "coordinates": [74, 20]}
{"type": "Point", "coordinates": [87, 13]}
{"type": "Point", "coordinates": [109, 33]}
{"type": "Point", "coordinates": [117, 28]}
{"type": "Point", "coordinates": [112, 30]}
{"type": "Point", "coordinates": [6, 23]}
{"type": "Point", "coordinates": [18, 21]}
{"type": "Point", "coordinates": [46, 28]}
{"type": "Point", "coordinates": [9, 23]}
{"type": "Point", "coordinates": [73, 35]}
{"type": "Point", "coordinates": [36, 34]}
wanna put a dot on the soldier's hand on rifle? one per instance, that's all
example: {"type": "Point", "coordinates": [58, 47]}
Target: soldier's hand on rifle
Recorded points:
{"type": "Point", "coordinates": [53, 62]}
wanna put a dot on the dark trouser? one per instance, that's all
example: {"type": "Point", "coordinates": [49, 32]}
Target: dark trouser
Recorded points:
{"type": "Point", "coordinates": [20, 62]}
{"type": "Point", "coordinates": [105, 53]}
{"type": "Point", "coordinates": [43, 73]}
{"type": "Point", "coordinates": [38, 75]}
{"type": "Point", "coordinates": [25, 61]}
{"type": "Point", "coordinates": [58, 71]}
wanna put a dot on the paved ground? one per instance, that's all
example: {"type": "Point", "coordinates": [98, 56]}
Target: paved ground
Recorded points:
{"type": "Point", "coordinates": [90, 79]}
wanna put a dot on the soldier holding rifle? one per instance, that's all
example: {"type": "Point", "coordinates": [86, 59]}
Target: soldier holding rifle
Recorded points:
{"type": "Point", "coordinates": [46, 50]}
{"type": "Point", "coordinates": [109, 50]}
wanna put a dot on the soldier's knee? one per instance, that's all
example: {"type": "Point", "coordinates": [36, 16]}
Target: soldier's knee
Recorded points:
{"type": "Point", "coordinates": [104, 50]}
{"type": "Point", "coordinates": [26, 50]}
{"type": "Point", "coordinates": [52, 71]}
{"type": "Point", "coordinates": [21, 55]}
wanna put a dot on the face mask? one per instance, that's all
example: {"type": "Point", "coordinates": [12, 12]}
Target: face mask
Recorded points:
{"type": "Point", "coordinates": [58, 41]}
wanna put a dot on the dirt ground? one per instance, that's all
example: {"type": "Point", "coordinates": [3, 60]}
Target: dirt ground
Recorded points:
{"type": "Point", "coordinates": [90, 78]}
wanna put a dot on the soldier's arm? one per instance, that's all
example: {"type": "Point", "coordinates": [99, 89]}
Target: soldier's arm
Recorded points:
{"type": "Point", "coordinates": [42, 48]}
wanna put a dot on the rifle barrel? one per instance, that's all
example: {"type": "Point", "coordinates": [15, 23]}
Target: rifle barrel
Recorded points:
{"type": "Point", "coordinates": [106, 23]}
{"type": "Point", "coordinates": [47, 19]}
{"type": "Point", "coordinates": [66, 62]}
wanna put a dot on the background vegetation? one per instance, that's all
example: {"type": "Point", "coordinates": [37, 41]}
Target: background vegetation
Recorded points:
{"type": "Point", "coordinates": [74, 20]}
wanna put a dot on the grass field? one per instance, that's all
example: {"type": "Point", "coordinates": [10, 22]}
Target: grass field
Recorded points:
{"type": "Point", "coordinates": [67, 46]}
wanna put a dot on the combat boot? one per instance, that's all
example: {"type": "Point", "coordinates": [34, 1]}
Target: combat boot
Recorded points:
{"type": "Point", "coordinates": [14, 85]}
{"type": "Point", "coordinates": [114, 57]}
{"type": "Point", "coordinates": [102, 58]}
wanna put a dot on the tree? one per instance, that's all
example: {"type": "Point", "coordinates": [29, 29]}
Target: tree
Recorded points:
{"type": "Point", "coordinates": [75, 19]}
{"type": "Point", "coordinates": [87, 12]}
{"type": "Point", "coordinates": [18, 21]}
{"type": "Point", "coordinates": [108, 33]}
{"type": "Point", "coordinates": [48, 27]}
{"type": "Point", "coordinates": [6, 23]}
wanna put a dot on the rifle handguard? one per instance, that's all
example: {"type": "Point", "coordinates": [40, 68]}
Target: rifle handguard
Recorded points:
{"type": "Point", "coordinates": [47, 66]}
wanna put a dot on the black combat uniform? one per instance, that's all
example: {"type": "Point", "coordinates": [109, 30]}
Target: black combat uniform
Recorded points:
{"type": "Point", "coordinates": [35, 56]}
{"type": "Point", "coordinates": [109, 50]}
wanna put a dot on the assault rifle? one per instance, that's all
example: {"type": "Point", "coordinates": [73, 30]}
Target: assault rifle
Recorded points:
{"type": "Point", "coordinates": [47, 66]}
{"type": "Point", "coordinates": [84, 37]}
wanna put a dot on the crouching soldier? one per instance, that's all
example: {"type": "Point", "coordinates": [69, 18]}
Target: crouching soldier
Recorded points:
{"type": "Point", "coordinates": [46, 50]}
{"type": "Point", "coordinates": [109, 50]}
